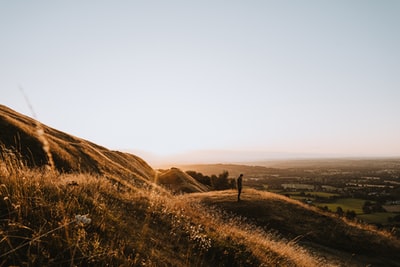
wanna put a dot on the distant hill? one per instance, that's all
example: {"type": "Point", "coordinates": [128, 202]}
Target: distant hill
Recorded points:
{"type": "Point", "coordinates": [39, 145]}
{"type": "Point", "coordinates": [255, 169]}
{"type": "Point", "coordinates": [233, 169]}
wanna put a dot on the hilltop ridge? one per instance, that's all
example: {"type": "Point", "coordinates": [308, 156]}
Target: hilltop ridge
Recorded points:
{"type": "Point", "coordinates": [29, 137]}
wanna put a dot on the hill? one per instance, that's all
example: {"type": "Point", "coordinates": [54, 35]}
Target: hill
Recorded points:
{"type": "Point", "coordinates": [54, 219]}
{"type": "Point", "coordinates": [179, 182]}
{"type": "Point", "coordinates": [334, 238]}
{"type": "Point", "coordinates": [233, 169]}
{"type": "Point", "coordinates": [65, 201]}
{"type": "Point", "coordinates": [257, 169]}
{"type": "Point", "coordinates": [39, 145]}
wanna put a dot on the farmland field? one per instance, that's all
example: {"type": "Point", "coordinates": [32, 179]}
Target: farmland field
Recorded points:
{"type": "Point", "coordinates": [346, 204]}
{"type": "Point", "coordinates": [378, 217]}
{"type": "Point", "coordinates": [392, 208]}
{"type": "Point", "coordinates": [323, 194]}
{"type": "Point", "coordinates": [307, 195]}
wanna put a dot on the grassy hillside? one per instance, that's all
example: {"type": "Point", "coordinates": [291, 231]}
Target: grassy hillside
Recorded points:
{"type": "Point", "coordinates": [40, 145]}
{"type": "Point", "coordinates": [324, 232]}
{"type": "Point", "coordinates": [49, 218]}
{"type": "Point", "coordinates": [178, 181]}
{"type": "Point", "coordinates": [65, 201]}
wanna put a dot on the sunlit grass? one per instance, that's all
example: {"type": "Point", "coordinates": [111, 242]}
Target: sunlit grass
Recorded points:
{"type": "Point", "coordinates": [50, 218]}
{"type": "Point", "coordinates": [303, 222]}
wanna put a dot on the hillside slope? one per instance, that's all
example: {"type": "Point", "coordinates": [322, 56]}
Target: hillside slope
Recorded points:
{"type": "Point", "coordinates": [179, 182]}
{"type": "Point", "coordinates": [142, 224]}
{"type": "Point", "coordinates": [48, 221]}
{"type": "Point", "coordinates": [41, 145]}
{"type": "Point", "coordinates": [330, 236]}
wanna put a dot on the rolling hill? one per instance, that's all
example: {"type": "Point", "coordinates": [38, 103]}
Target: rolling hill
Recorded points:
{"type": "Point", "coordinates": [179, 182]}
{"type": "Point", "coordinates": [324, 232]}
{"type": "Point", "coordinates": [40, 145]}
{"type": "Point", "coordinates": [65, 201]}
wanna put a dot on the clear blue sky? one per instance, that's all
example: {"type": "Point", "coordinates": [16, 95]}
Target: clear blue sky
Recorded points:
{"type": "Point", "coordinates": [313, 77]}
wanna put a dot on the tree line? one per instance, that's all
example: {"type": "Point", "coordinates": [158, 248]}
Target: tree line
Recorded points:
{"type": "Point", "coordinates": [214, 182]}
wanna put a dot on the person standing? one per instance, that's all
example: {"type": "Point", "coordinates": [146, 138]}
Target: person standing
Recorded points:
{"type": "Point", "coordinates": [239, 184]}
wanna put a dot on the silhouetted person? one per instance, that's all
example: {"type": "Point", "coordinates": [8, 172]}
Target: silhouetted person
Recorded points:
{"type": "Point", "coordinates": [239, 185]}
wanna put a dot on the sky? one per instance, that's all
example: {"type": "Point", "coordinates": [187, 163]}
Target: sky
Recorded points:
{"type": "Point", "coordinates": [172, 77]}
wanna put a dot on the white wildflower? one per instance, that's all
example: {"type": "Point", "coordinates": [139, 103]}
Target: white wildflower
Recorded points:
{"type": "Point", "coordinates": [83, 219]}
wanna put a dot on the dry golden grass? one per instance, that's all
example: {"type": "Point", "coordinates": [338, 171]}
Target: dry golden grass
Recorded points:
{"type": "Point", "coordinates": [178, 181]}
{"type": "Point", "coordinates": [340, 241]}
{"type": "Point", "coordinates": [64, 152]}
{"type": "Point", "coordinates": [49, 218]}
{"type": "Point", "coordinates": [98, 207]}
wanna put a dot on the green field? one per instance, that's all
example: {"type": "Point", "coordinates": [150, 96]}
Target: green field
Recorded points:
{"type": "Point", "coordinates": [308, 195]}
{"type": "Point", "coordinates": [378, 217]}
{"type": "Point", "coordinates": [324, 194]}
{"type": "Point", "coordinates": [346, 204]}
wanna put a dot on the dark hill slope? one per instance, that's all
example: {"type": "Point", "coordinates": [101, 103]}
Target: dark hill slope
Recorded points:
{"type": "Point", "coordinates": [179, 182]}
{"type": "Point", "coordinates": [328, 235]}
{"type": "Point", "coordinates": [32, 140]}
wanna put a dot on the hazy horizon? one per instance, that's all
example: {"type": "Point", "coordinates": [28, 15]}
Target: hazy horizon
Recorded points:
{"type": "Point", "coordinates": [242, 157]}
{"type": "Point", "coordinates": [284, 77]}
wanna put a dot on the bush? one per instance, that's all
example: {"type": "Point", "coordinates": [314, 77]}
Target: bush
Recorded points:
{"type": "Point", "coordinates": [206, 180]}
{"type": "Point", "coordinates": [221, 182]}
